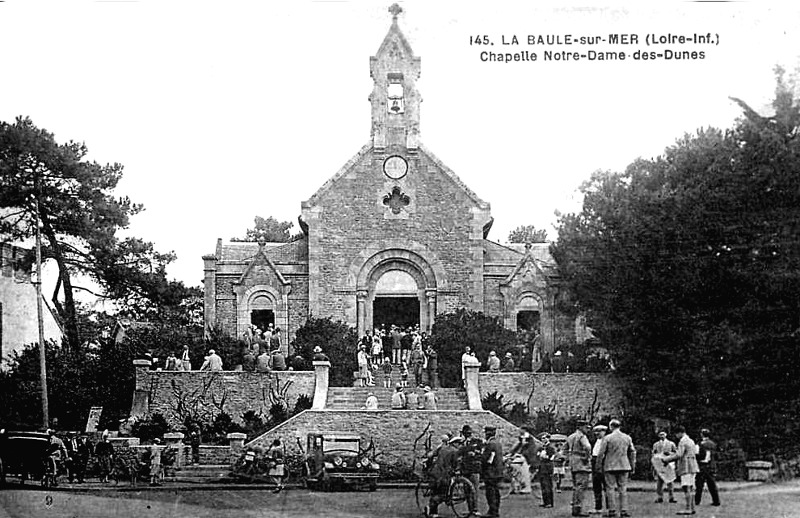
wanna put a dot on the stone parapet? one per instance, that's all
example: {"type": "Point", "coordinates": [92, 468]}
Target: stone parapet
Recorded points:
{"type": "Point", "coordinates": [204, 394]}
{"type": "Point", "coordinates": [398, 435]}
{"type": "Point", "coordinates": [570, 393]}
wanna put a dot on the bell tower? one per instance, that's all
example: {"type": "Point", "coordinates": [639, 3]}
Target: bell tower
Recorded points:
{"type": "Point", "coordinates": [394, 98]}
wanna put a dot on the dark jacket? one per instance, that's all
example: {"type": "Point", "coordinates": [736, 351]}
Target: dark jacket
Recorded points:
{"type": "Point", "coordinates": [444, 464]}
{"type": "Point", "coordinates": [470, 455]}
{"type": "Point", "coordinates": [492, 460]}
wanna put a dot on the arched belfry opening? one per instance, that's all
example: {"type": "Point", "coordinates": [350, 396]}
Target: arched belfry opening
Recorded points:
{"type": "Point", "coordinates": [396, 287]}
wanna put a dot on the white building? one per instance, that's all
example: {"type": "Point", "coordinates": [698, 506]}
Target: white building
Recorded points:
{"type": "Point", "coordinates": [18, 322]}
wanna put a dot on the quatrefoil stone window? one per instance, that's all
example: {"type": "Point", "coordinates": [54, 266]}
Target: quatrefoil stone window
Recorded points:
{"type": "Point", "coordinates": [396, 200]}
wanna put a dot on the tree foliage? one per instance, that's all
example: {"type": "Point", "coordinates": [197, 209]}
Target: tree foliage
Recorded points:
{"type": "Point", "coordinates": [76, 381]}
{"type": "Point", "coordinates": [688, 268]}
{"type": "Point", "coordinates": [337, 340]}
{"type": "Point", "coordinates": [270, 230]}
{"type": "Point", "coordinates": [452, 332]}
{"type": "Point", "coordinates": [527, 234]}
{"type": "Point", "coordinates": [79, 218]}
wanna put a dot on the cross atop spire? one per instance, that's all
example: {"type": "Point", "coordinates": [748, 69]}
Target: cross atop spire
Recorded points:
{"type": "Point", "coordinates": [395, 10]}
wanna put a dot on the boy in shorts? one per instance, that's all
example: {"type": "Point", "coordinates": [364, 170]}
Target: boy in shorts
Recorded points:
{"type": "Point", "coordinates": [686, 467]}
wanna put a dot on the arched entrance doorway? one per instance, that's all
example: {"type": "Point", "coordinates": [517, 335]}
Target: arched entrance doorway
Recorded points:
{"type": "Point", "coordinates": [396, 300]}
{"type": "Point", "coordinates": [395, 287]}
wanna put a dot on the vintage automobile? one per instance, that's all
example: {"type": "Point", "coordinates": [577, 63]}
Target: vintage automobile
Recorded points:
{"type": "Point", "coordinates": [336, 460]}
{"type": "Point", "coordinates": [23, 454]}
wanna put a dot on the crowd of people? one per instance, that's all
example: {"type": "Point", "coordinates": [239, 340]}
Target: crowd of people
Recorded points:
{"type": "Point", "coordinates": [75, 453]}
{"type": "Point", "coordinates": [602, 458]}
{"type": "Point", "coordinates": [405, 350]}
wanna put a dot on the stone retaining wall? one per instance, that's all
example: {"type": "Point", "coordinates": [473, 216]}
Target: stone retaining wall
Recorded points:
{"type": "Point", "coordinates": [176, 394]}
{"type": "Point", "coordinates": [571, 393]}
{"type": "Point", "coordinates": [393, 431]}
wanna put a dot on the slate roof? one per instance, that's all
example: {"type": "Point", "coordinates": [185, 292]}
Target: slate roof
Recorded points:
{"type": "Point", "coordinates": [279, 253]}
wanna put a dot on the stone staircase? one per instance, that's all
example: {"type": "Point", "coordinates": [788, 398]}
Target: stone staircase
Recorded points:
{"type": "Point", "coordinates": [201, 473]}
{"type": "Point", "coordinates": [354, 398]}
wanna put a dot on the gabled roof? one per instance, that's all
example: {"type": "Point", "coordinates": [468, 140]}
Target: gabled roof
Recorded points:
{"type": "Point", "coordinates": [313, 200]}
{"type": "Point", "coordinates": [341, 172]}
{"type": "Point", "coordinates": [529, 261]}
{"type": "Point", "coordinates": [453, 176]}
{"type": "Point", "coordinates": [261, 258]}
{"type": "Point", "coordinates": [242, 251]}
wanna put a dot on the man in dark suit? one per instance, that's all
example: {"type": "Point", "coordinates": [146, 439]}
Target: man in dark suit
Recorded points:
{"type": "Point", "coordinates": [492, 471]}
{"type": "Point", "coordinates": [707, 465]}
{"type": "Point", "coordinates": [579, 454]}
{"type": "Point", "coordinates": [617, 456]}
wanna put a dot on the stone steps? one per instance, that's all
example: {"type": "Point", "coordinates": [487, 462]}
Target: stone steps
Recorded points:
{"type": "Point", "coordinates": [354, 398]}
{"type": "Point", "coordinates": [396, 378]}
{"type": "Point", "coordinates": [201, 473]}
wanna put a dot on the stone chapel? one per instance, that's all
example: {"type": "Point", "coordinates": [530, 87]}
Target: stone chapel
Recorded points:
{"type": "Point", "coordinates": [394, 237]}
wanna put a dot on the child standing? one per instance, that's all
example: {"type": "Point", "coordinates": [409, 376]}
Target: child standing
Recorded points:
{"type": "Point", "coordinates": [404, 374]}
{"type": "Point", "coordinates": [559, 467]}
{"type": "Point", "coordinates": [387, 373]}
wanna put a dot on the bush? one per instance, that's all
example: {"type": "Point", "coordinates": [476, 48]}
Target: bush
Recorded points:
{"type": "Point", "coordinates": [337, 340]}
{"type": "Point", "coordinates": [304, 402]}
{"type": "Point", "coordinates": [149, 428]}
{"type": "Point", "coordinates": [452, 332]}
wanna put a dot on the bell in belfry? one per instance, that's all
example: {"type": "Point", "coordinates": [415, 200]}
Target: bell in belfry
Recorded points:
{"type": "Point", "coordinates": [395, 106]}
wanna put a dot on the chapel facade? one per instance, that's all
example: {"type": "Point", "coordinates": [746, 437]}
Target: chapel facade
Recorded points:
{"type": "Point", "coordinates": [394, 237]}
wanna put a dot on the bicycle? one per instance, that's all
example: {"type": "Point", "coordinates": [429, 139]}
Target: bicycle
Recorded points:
{"type": "Point", "coordinates": [459, 492]}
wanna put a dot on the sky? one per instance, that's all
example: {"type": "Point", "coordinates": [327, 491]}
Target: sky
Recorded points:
{"type": "Point", "coordinates": [221, 111]}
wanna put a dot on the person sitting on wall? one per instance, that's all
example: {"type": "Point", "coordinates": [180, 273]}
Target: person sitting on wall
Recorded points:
{"type": "Point", "coordinates": [248, 361]}
{"type": "Point", "coordinates": [508, 363]}
{"type": "Point", "coordinates": [277, 360]}
{"type": "Point", "coordinates": [262, 363]}
{"type": "Point", "coordinates": [212, 362]}
{"type": "Point", "coordinates": [493, 363]}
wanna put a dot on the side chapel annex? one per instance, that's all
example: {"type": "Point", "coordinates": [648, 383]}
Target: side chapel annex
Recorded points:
{"type": "Point", "coordinates": [394, 237]}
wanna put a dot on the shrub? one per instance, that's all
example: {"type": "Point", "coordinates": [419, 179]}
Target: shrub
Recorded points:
{"type": "Point", "coordinates": [337, 340]}
{"type": "Point", "coordinates": [452, 332]}
{"type": "Point", "coordinates": [149, 428]}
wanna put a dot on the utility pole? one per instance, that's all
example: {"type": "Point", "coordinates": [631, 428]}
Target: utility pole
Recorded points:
{"type": "Point", "coordinates": [38, 284]}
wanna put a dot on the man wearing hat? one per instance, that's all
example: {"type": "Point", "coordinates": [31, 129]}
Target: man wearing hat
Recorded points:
{"type": "Point", "coordinates": [469, 454]}
{"type": "Point", "coordinates": [598, 480]}
{"type": "Point", "coordinates": [508, 363]}
{"type": "Point", "coordinates": [546, 455]}
{"type": "Point", "coordinates": [398, 398]}
{"type": "Point", "coordinates": [579, 455]}
{"type": "Point", "coordinates": [320, 356]}
{"type": "Point", "coordinates": [492, 470]}
{"type": "Point", "coordinates": [442, 467]}
{"type": "Point", "coordinates": [663, 447]}
{"type": "Point", "coordinates": [617, 457]}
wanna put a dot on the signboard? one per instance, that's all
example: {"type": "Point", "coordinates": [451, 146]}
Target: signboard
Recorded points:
{"type": "Point", "coordinates": [94, 418]}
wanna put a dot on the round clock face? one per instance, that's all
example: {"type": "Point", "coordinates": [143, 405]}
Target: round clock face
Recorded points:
{"type": "Point", "coordinates": [395, 167]}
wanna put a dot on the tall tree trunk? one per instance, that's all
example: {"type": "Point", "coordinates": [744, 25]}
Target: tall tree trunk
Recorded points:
{"type": "Point", "coordinates": [67, 311]}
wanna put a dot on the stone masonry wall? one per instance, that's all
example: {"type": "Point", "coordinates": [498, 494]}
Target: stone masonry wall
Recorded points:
{"type": "Point", "coordinates": [439, 217]}
{"type": "Point", "coordinates": [174, 394]}
{"type": "Point", "coordinates": [393, 431]}
{"type": "Point", "coordinates": [572, 393]}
